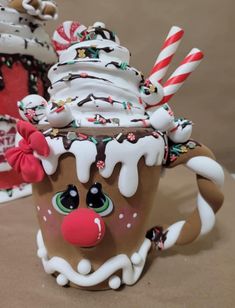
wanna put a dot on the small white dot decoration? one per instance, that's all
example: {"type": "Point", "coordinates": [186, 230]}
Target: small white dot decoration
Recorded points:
{"type": "Point", "coordinates": [44, 218]}
{"type": "Point", "coordinates": [121, 216]}
{"type": "Point", "coordinates": [49, 212]}
{"type": "Point", "coordinates": [135, 215]}
{"type": "Point", "coordinates": [128, 226]}
{"type": "Point", "coordinates": [114, 282]}
{"type": "Point", "coordinates": [84, 267]}
{"type": "Point", "coordinates": [61, 280]}
{"type": "Point", "coordinates": [38, 208]}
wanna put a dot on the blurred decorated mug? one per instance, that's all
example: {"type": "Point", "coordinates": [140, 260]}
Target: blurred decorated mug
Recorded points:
{"type": "Point", "coordinates": [96, 158]}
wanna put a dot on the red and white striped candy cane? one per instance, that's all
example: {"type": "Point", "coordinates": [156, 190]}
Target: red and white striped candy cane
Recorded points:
{"type": "Point", "coordinates": [66, 34]}
{"type": "Point", "coordinates": [167, 52]}
{"type": "Point", "coordinates": [177, 79]}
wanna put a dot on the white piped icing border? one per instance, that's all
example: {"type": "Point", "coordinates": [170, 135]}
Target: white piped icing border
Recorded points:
{"type": "Point", "coordinates": [131, 267]}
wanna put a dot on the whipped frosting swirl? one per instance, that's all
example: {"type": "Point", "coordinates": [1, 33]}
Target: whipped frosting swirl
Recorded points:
{"type": "Point", "coordinates": [95, 83]}
{"type": "Point", "coordinates": [24, 34]}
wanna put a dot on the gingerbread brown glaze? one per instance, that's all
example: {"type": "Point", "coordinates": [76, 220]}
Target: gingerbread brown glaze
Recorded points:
{"type": "Point", "coordinates": [43, 9]}
{"type": "Point", "coordinates": [17, 5]}
{"type": "Point", "coordinates": [118, 238]}
{"type": "Point", "coordinates": [49, 9]}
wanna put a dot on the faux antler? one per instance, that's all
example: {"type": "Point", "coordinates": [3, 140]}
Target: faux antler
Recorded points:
{"type": "Point", "coordinates": [167, 52]}
{"type": "Point", "coordinates": [177, 79]}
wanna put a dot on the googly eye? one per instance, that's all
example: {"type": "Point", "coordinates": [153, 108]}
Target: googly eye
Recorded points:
{"type": "Point", "coordinates": [64, 202]}
{"type": "Point", "coordinates": [98, 201]}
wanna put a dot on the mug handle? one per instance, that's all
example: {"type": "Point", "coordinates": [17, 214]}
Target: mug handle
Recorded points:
{"type": "Point", "coordinates": [210, 177]}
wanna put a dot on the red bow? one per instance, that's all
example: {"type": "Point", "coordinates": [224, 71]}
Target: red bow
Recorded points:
{"type": "Point", "coordinates": [21, 158]}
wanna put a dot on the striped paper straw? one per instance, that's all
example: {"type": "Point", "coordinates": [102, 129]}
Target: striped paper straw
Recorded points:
{"type": "Point", "coordinates": [168, 50]}
{"type": "Point", "coordinates": [177, 79]}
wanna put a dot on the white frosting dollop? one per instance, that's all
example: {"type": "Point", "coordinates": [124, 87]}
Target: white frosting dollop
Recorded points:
{"type": "Point", "coordinates": [95, 76]}
{"type": "Point", "coordinates": [24, 34]}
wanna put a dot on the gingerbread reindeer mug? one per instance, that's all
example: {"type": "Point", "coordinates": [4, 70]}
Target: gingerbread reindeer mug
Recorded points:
{"type": "Point", "coordinates": [96, 155]}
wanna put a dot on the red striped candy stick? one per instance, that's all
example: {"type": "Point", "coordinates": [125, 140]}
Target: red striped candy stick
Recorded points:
{"type": "Point", "coordinates": [177, 79]}
{"type": "Point", "coordinates": [167, 52]}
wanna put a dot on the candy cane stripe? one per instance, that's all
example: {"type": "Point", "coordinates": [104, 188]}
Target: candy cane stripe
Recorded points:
{"type": "Point", "coordinates": [174, 38]}
{"type": "Point", "coordinates": [177, 79]}
{"type": "Point", "coordinates": [167, 52]}
{"type": "Point", "coordinates": [68, 33]}
{"type": "Point", "coordinates": [162, 64]}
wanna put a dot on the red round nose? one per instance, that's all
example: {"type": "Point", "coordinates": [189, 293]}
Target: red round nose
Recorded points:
{"type": "Point", "coordinates": [83, 227]}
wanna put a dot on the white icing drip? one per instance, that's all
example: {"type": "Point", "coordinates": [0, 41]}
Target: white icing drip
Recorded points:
{"type": "Point", "coordinates": [130, 271]}
{"type": "Point", "coordinates": [16, 34]}
{"type": "Point", "coordinates": [126, 153]}
{"type": "Point", "coordinates": [84, 152]}
{"type": "Point", "coordinates": [129, 155]}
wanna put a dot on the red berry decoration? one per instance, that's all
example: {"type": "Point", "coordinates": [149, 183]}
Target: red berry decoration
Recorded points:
{"type": "Point", "coordinates": [131, 137]}
{"type": "Point", "coordinates": [100, 164]}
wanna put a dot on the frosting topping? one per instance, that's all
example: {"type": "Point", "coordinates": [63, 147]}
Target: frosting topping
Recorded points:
{"type": "Point", "coordinates": [93, 78]}
{"type": "Point", "coordinates": [24, 34]}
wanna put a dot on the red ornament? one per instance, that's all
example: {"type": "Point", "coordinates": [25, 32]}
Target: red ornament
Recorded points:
{"type": "Point", "coordinates": [131, 137]}
{"type": "Point", "coordinates": [83, 227]}
{"type": "Point", "coordinates": [100, 164]}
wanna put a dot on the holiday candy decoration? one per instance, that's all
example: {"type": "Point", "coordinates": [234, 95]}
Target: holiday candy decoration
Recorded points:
{"type": "Point", "coordinates": [101, 153]}
{"type": "Point", "coordinates": [68, 33]}
{"type": "Point", "coordinates": [168, 50]}
{"type": "Point", "coordinates": [177, 79]}
{"type": "Point", "coordinates": [25, 56]}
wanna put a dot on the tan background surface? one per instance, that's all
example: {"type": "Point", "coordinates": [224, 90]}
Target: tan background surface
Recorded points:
{"type": "Point", "coordinates": [198, 275]}
{"type": "Point", "coordinates": [208, 96]}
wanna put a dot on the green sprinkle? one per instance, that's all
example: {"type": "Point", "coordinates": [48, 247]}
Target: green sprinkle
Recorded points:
{"type": "Point", "coordinates": [124, 105]}
{"type": "Point", "coordinates": [123, 65]}
{"type": "Point", "coordinates": [93, 140]}
{"type": "Point", "coordinates": [21, 104]}
{"type": "Point", "coordinates": [75, 124]}
{"type": "Point", "coordinates": [107, 139]}
{"type": "Point", "coordinates": [96, 122]}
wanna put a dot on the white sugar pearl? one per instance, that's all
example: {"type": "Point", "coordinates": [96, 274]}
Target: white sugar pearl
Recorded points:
{"type": "Point", "coordinates": [114, 282]}
{"type": "Point", "coordinates": [99, 24]}
{"type": "Point", "coordinates": [61, 280]}
{"type": "Point", "coordinates": [84, 267]}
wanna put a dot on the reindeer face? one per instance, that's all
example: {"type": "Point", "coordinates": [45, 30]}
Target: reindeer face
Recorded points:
{"type": "Point", "coordinates": [93, 220]}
